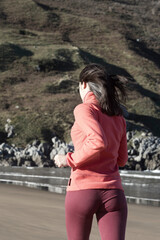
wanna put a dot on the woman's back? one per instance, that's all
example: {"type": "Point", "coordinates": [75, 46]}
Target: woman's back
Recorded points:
{"type": "Point", "coordinates": [100, 146]}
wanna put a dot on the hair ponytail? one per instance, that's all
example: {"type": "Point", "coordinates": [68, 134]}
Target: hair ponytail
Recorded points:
{"type": "Point", "coordinates": [108, 89]}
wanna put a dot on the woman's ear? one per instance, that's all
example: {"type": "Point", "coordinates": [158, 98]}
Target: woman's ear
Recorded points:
{"type": "Point", "coordinates": [84, 85]}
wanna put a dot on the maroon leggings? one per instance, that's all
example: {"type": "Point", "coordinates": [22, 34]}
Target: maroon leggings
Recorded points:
{"type": "Point", "coordinates": [109, 206]}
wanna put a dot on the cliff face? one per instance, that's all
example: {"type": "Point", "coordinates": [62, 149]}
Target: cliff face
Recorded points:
{"type": "Point", "coordinates": [43, 46]}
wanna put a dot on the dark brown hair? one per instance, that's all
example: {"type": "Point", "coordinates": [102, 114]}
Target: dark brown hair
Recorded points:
{"type": "Point", "coordinates": [108, 89]}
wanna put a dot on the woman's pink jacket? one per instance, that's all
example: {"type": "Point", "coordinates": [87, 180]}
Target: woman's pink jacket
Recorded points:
{"type": "Point", "coordinates": [100, 147]}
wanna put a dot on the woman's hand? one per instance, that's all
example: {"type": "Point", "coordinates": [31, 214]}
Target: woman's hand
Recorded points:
{"type": "Point", "coordinates": [60, 160]}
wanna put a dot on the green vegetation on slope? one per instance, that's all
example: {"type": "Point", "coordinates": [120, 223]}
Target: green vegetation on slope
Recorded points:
{"type": "Point", "coordinates": [43, 46]}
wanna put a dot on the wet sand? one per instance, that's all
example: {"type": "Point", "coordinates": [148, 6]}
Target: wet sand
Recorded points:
{"type": "Point", "coordinates": [32, 214]}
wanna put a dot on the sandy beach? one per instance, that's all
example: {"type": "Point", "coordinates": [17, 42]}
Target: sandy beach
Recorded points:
{"type": "Point", "coordinates": [32, 214]}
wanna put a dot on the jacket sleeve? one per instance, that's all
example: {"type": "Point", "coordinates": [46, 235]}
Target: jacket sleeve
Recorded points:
{"type": "Point", "coordinates": [95, 141]}
{"type": "Point", "coordinates": [122, 152]}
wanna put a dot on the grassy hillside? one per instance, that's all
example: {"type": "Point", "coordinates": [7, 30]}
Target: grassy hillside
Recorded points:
{"type": "Point", "coordinates": [43, 46]}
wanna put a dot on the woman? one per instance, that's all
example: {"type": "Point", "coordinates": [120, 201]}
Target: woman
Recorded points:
{"type": "Point", "coordinates": [99, 138]}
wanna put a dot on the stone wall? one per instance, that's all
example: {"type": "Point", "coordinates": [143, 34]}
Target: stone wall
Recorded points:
{"type": "Point", "coordinates": [140, 187]}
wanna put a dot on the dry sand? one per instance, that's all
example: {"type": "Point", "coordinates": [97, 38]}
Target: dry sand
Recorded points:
{"type": "Point", "coordinates": [32, 214]}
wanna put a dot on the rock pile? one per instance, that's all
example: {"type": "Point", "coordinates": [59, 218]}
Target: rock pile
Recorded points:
{"type": "Point", "coordinates": [36, 154]}
{"type": "Point", "coordinates": [143, 152]}
{"type": "Point", "coordinates": [9, 129]}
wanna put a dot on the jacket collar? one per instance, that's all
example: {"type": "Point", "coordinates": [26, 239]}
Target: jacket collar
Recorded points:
{"type": "Point", "coordinates": [90, 98]}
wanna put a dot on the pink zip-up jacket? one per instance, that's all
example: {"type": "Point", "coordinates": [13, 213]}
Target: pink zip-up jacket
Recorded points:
{"type": "Point", "coordinates": [100, 147]}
